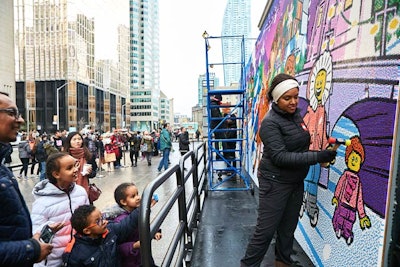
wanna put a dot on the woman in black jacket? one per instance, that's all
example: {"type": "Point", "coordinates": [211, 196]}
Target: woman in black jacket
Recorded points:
{"type": "Point", "coordinates": [282, 170]}
{"type": "Point", "coordinates": [183, 141]}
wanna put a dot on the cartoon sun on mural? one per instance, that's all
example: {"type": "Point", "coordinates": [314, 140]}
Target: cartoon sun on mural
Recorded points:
{"type": "Point", "coordinates": [318, 91]}
{"type": "Point", "coordinates": [348, 197]}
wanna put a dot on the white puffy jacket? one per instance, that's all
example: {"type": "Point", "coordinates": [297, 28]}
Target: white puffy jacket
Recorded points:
{"type": "Point", "coordinates": [52, 205]}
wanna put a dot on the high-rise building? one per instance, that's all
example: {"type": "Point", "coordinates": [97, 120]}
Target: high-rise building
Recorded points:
{"type": "Point", "coordinates": [166, 109]}
{"type": "Point", "coordinates": [56, 79]}
{"type": "Point", "coordinates": [123, 62]}
{"type": "Point", "coordinates": [144, 64]}
{"type": "Point", "coordinates": [7, 78]}
{"type": "Point", "coordinates": [235, 49]}
{"type": "Point", "coordinates": [202, 87]}
{"type": "Point", "coordinates": [202, 95]}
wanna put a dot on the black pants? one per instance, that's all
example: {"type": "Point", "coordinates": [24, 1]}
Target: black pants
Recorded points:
{"type": "Point", "coordinates": [25, 164]}
{"type": "Point", "coordinates": [34, 162]}
{"type": "Point", "coordinates": [278, 211]}
{"type": "Point", "coordinates": [230, 156]}
{"type": "Point", "coordinates": [133, 153]}
{"type": "Point", "coordinates": [117, 162]}
{"type": "Point", "coordinates": [218, 135]}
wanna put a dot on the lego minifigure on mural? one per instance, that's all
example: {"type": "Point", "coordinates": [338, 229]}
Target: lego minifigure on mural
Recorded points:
{"type": "Point", "coordinates": [348, 197]}
{"type": "Point", "coordinates": [315, 119]}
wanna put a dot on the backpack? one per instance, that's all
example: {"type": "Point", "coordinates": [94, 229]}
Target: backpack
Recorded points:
{"type": "Point", "coordinates": [50, 149]}
{"type": "Point", "coordinates": [40, 154]}
{"type": "Point", "coordinates": [92, 146]}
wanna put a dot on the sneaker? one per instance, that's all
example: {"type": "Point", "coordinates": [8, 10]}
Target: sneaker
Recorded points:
{"type": "Point", "coordinates": [19, 176]}
{"type": "Point", "coordinates": [148, 163]}
{"type": "Point", "coordinates": [26, 177]}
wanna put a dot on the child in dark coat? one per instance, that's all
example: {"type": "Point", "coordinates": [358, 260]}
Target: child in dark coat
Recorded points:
{"type": "Point", "coordinates": [96, 241]}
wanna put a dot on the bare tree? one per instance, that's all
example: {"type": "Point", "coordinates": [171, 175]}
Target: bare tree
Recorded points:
{"type": "Point", "coordinates": [81, 123]}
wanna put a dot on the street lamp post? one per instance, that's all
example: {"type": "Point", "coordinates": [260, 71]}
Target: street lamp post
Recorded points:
{"type": "Point", "coordinates": [28, 106]}
{"type": "Point", "coordinates": [122, 115]}
{"type": "Point", "coordinates": [58, 104]}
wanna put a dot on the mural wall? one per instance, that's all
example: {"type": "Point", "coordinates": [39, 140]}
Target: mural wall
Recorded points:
{"type": "Point", "coordinates": [345, 55]}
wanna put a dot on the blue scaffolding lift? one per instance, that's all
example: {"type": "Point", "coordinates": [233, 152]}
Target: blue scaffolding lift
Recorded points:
{"type": "Point", "coordinates": [226, 173]}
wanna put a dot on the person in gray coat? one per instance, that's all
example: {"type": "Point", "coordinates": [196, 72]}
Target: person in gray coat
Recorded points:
{"type": "Point", "coordinates": [24, 151]}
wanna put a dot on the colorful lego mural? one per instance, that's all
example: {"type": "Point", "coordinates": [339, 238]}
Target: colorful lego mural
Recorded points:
{"type": "Point", "coordinates": [346, 57]}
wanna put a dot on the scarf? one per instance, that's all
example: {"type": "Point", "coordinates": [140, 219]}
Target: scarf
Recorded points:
{"type": "Point", "coordinates": [79, 154]}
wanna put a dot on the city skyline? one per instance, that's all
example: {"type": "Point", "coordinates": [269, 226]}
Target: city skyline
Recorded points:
{"type": "Point", "coordinates": [182, 53]}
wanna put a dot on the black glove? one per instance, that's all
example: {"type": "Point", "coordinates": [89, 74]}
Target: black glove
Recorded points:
{"type": "Point", "coordinates": [326, 156]}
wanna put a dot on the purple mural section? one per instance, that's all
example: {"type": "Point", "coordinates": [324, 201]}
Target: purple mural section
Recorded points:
{"type": "Point", "coordinates": [346, 57]}
{"type": "Point", "coordinates": [374, 119]}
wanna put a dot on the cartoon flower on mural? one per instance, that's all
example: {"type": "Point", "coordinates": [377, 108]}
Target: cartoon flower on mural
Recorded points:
{"type": "Point", "coordinates": [318, 91]}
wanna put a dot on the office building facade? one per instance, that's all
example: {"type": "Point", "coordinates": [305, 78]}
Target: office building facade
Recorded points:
{"type": "Point", "coordinates": [144, 91]}
{"type": "Point", "coordinates": [7, 77]}
{"type": "Point", "coordinates": [56, 68]}
{"type": "Point", "coordinates": [235, 49]}
{"type": "Point", "coordinates": [202, 95]}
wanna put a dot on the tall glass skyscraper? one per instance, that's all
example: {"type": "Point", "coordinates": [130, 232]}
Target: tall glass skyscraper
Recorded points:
{"type": "Point", "coordinates": [236, 23]}
{"type": "Point", "coordinates": [144, 64]}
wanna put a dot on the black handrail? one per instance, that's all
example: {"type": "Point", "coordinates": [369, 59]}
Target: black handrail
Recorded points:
{"type": "Point", "coordinates": [188, 209]}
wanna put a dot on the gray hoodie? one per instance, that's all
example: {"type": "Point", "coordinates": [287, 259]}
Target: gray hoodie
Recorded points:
{"type": "Point", "coordinates": [24, 150]}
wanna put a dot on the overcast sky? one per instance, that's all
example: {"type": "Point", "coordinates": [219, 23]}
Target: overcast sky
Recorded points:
{"type": "Point", "coordinates": [182, 48]}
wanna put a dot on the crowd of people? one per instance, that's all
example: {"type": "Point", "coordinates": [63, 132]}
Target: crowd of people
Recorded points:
{"type": "Point", "coordinates": [34, 148]}
{"type": "Point", "coordinates": [103, 151]}
{"type": "Point", "coordinates": [64, 163]}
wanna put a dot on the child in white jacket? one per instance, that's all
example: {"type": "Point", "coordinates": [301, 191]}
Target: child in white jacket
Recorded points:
{"type": "Point", "coordinates": [55, 200]}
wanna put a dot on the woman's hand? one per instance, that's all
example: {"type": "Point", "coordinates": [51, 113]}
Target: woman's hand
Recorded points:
{"type": "Point", "coordinates": [56, 226]}
{"type": "Point", "coordinates": [136, 245]}
{"type": "Point", "coordinates": [326, 155]}
{"type": "Point", "coordinates": [158, 236]}
{"type": "Point", "coordinates": [45, 249]}
{"type": "Point", "coordinates": [89, 169]}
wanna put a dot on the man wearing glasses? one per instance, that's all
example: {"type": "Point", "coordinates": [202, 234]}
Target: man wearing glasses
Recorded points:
{"type": "Point", "coordinates": [17, 246]}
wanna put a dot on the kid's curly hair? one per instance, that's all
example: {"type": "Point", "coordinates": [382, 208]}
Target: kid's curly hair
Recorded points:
{"type": "Point", "coordinates": [79, 220]}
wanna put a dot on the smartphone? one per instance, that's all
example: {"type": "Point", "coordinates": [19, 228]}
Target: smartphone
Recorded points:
{"type": "Point", "coordinates": [47, 234]}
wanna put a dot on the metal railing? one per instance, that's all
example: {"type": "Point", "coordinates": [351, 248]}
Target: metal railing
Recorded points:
{"type": "Point", "coordinates": [188, 197]}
